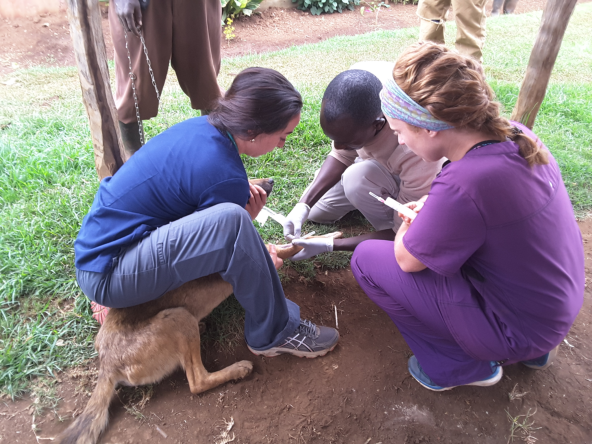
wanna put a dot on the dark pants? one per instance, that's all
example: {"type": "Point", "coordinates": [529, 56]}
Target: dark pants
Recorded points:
{"type": "Point", "coordinates": [187, 34]}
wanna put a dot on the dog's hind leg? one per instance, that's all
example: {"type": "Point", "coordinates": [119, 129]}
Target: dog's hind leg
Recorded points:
{"type": "Point", "coordinates": [199, 378]}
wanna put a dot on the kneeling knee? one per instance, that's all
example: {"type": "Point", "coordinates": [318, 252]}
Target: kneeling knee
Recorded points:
{"type": "Point", "coordinates": [355, 181]}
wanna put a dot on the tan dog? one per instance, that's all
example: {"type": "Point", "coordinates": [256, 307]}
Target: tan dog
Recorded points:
{"type": "Point", "coordinates": [143, 344]}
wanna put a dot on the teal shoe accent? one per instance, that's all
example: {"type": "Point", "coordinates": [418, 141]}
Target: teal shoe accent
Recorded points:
{"type": "Point", "coordinates": [420, 376]}
{"type": "Point", "coordinates": [542, 362]}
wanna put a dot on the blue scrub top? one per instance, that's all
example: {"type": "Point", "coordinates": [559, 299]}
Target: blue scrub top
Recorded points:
{"type": "Point", "coordinates": [189, 167]}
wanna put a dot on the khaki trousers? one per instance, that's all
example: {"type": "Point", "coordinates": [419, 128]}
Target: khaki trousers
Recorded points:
{"type": "Point", "coordinates": [352, 193]}
{"type": "Point", "coordinates": [187, 34]}
{"type": "Point", "coordinates": [470, 24]}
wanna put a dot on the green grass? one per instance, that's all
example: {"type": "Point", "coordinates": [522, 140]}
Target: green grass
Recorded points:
{"type": "Point", "coordinates": [564, 124]}
{"type": "Point", "coordinates": [47, 176]}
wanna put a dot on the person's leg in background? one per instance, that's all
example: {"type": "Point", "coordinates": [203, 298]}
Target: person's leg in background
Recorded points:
{"type": "Point", "coordinates": [497, 8]}
{"type": "Point", "coordinates": [157, 31]}
{"type": "Point", "coordinates": [352, 193]}
{"type": "Point", "coordinates": [433, 17]}
{"type": "Point", "coordinates": [190, 248]}
{"type": "Point", "coordinates": [470, 27]}
{"type": "Point", "coordinates": [510, 6]}
{"type": "Point", "coordinates": [196, 50]}
{"type": "Point", "coordinates": [411, 301]}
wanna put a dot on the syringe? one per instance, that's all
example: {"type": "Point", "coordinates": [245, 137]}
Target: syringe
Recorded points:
{"type": "Point", "coordinates": [400, 208]}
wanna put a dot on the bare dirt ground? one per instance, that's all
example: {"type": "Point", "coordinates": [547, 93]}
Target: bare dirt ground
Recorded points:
{"type": "Point", "coordinates": [359, 393]}
{"type": "Point", "coordinates": [44, 40]}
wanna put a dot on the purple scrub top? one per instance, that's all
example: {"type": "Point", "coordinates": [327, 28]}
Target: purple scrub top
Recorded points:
{"type": "Point", "coordinates": [511, 231]}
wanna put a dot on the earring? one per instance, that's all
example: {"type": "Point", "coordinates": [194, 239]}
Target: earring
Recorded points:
{"type": "Point", "coordinates": [252, 140]}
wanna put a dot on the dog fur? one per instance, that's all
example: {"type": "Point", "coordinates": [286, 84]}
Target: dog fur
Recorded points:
{"type": "Point", "coordinates": [143, 344]}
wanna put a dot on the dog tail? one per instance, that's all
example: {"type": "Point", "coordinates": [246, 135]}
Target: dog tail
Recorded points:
{"type": "Point", "coordinates": [95, 417]}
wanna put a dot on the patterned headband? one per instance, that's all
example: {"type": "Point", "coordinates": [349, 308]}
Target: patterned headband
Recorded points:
{"type": "Point", "coordinates": [398, 105]}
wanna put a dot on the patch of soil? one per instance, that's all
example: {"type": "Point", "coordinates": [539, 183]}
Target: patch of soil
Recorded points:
{"type": "Point", "coordinates": [276, 29]}
{"type": "Point", "coordinates": [45, 40]}
{"type": "Point", "coordinates": [359, 393]}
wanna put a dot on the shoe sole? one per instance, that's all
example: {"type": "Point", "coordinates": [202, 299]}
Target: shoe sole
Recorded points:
{"type": "Point", "coordinates": [550, 360]}
{"type": "Point", "coordinates": [486, 383]}
{"type": "Point", "coordinates": [276, 351]}
{"type": "Point", "coordinates": [489, 382]}
{"type": "Point", "coordinates": [441, 389]}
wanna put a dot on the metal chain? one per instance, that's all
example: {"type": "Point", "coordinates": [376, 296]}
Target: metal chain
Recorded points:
{"type": "Point", "coordinates": [150, 67]}
{"type": "Point", "coordinates": [133, 78]}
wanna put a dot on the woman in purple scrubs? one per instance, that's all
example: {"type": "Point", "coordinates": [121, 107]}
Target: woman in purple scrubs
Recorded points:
{"type": "Point", "coordinates": [490, 272]}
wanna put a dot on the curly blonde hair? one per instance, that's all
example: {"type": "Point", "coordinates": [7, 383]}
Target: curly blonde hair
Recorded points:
{"type": "Point", "coordinates": [453, 89]}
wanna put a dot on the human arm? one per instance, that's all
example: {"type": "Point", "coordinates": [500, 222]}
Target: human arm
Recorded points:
{"type": "Point", "coordinates": [350, 243]}
{"type": "Point", "coordinates": [448, 230]}
{"type": "Point", "coordinates": [328, 176]}
{"type": "Point", "coordinates": [315, 246]}
{"type": "Point", "coordinates": [405, 259]}
{"type": "Point", "coordinates": [130, 15]}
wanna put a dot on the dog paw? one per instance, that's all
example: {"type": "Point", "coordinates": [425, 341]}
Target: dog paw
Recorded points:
{"type": "Point", "coordinates": [244, 368]}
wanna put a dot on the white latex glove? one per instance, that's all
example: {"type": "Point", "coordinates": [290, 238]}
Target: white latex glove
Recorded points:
{"type": "Point", "coordinates": [312, 247]}
{"type": "Point", "coordinates": [294, 220]}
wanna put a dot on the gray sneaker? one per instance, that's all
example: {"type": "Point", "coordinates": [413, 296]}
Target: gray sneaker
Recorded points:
{"type": "Point", "coordinates": [308, 341]}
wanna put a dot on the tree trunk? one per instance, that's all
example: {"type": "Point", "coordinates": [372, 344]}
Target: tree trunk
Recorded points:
{"type": "Point", "coordinates": [89, 48]}
{"type": "Point", "coordinates": [542, 59]}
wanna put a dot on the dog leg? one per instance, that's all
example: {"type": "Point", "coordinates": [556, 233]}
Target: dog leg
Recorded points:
{"type": "Point", "coordinates": [199, 378]}
{"type": "Point", "coordinates": [169, 340]}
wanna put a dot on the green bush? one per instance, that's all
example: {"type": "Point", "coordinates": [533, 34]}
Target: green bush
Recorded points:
{"type": "Point", "coordinates": [234, 8]}
{"type": "Point", "coordinates": [316, 7]}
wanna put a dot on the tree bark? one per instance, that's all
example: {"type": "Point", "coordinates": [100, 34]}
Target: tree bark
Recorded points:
{"type": "Point", "coordinates": [89, 49]}
{"type": "Point", "coordinates": [542, 59]}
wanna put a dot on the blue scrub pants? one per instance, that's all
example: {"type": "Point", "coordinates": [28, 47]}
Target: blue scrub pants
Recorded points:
{"type": "Point", "coordinates": [220, 239]}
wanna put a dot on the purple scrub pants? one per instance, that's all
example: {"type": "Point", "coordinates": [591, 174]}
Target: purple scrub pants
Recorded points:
{"type": "Point", "coordinates": [411, 301]}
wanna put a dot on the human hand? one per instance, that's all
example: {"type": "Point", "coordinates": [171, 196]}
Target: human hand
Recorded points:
{"type": "Point", "coordinates": [295, 219]}
{"type": "Point", "coordinates": [130, 15]}
{"type": "Point", "coordinates": [312, 247]}
{"type": "Point", "coordinates": [415, 206]}
{"type": "Point", "coordinates": [256, 201]}
{"type": "Point", "coordinates": [277, 262]}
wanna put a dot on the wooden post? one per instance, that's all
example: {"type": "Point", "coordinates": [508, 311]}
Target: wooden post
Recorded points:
{"type": "Point", "coordinates": [542, 59]}
{"type": "Point", "coordinates": [89, 48]}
